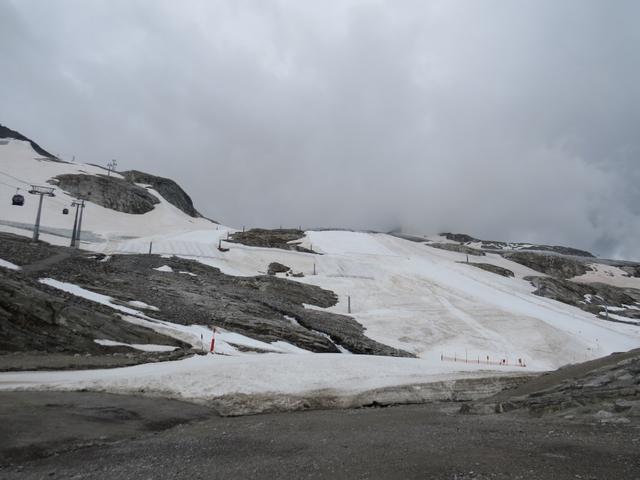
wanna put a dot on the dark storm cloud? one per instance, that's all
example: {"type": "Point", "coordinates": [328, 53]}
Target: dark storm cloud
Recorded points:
{"type": "Point", "coordinates": [511, 120]}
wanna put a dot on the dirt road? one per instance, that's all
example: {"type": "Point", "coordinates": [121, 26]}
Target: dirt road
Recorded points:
{"type": "Point", "coordinates": [96, 436]}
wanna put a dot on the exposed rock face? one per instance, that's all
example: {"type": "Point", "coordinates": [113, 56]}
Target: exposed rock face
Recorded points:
{"type": "Point", "coordinates": [553, 265]}
{"type": "Point", "coordinates": [591, 297]}
{"type": "Point", "coordinates": [277, 238]}
{"type": "Point", "coordinates": [459, 237]}
{"type": "Point", "coordinates": [453, 247]}
{"type": "Point", "coordinates": [346, 332]}
{"type": "Point", "coordinates": [606, 390]}
{"type": "Point", "coordinates": [6, 132]}
{"type": "Point", "coordinates": [632, 270]}
{"type": "Point", "coordinates": [109, 192]}
{"type": "Point", "coordinates": [264, 307]}
{"type": "Point", "coordinates": [505, 272]}
{"type": "Point", "coordinates": [275, 267]}
{"type": "Point", "coordinates": [496, 245]}
{"type": "Point", "coordinates": [561, 250]}
{"type": "Point", "coordinates": [34, 317]}
{"type": "Point", "coordinates": [166, 187]}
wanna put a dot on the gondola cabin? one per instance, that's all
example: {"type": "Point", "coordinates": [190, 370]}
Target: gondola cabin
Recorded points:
{"type": "Point", "coordinates": [17, 200]}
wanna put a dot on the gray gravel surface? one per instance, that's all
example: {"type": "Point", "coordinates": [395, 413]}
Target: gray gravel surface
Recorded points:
{"type": "Point", "coordinates": [427, 441]}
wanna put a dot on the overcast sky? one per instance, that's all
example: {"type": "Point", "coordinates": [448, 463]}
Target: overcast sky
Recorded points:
{"type": "Point", "coordinates": [516, 120]}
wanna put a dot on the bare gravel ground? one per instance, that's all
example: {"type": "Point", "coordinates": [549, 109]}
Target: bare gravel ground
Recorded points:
{"type": "Point", "coordinates": [97, 436]}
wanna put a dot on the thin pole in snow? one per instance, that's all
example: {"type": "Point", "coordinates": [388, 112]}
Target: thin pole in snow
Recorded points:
{"type": "Point", "coordinates": [314, 268]}
{"type": "Point", "coordinates": [150, 247]}
{"type": "Point", "coordinates": [36, 228]}
{"type": "Point", "coordinates": [349, 303]}
{"type": "Point", "coordinates": [42, 191]}
{"type": "Point", "coordinates": [79, 230]}
{"type": "Point", "coordinates": [75, 225]}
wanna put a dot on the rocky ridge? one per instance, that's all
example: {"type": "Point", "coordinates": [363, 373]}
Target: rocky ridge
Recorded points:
{"type": "Point", "coordinates": [605, 390]}
{"type": "Point", "coordinates": [6, 132]}
{"type": "Point", "coordinates": [170, 190]}
{"type": "Point", "coordinates": [107, 191]}
{"type": "Point", "coordinates": [497, 245]}
{"type": "Point", "coordinates": [282, 238]}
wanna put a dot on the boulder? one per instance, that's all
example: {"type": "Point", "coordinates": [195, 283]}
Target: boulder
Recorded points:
{"type": "Point", "coordinates": [275, 267]}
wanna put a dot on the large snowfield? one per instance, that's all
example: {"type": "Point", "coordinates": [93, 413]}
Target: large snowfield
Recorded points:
{"type": "Point", "coordinates": [406, 294]}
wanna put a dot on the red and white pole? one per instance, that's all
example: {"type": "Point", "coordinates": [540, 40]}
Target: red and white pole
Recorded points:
{"type": "Point", "coordinates": [213, 341]}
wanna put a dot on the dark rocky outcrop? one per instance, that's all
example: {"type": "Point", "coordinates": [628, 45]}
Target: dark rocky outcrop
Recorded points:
{"type": "Point", "coordinates": [631, 270]}
{"type": "Point", "coordinates": [6, 132]}
{"type": "Point", "coordinates": [606, 390]}
{"type": "Point", "coordinates": [264, 307]}
{"type": "Point", "coordinates": [346, 332]}
{"type": "Point", "coordinates": [505, 272]}
{"type": "Point", "coordinates": [276, 238]}
{"type": "Point", "coordinates": [275, 267]}
{"type": "Point", "coordinates": [497, 245]}
{"type": "Point", "coordinates": [454, 247]}
{"type": "Point", "coordinates": [107, 191]}
{"type": "Point", "coordinates": [553, 265]}
{"type": "Point", "coordinates": [591, 297]}
{"type": "Point", "coordinates": [170, 190]}
{"type": "Point", "coordinates": [35, 317]}
{"type": "Point", "coordinates": [459, 237]}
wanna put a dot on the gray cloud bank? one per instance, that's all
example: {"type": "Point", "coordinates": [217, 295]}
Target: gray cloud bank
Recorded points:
{"type": "Point", "coordinates": [513, 120]}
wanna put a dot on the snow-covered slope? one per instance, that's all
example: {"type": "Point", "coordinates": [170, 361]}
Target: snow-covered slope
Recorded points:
{"type": "Point", "coordinates": [420, 299]}
{"type": "Point", "coordinates": [406, 294]}
{"type": "Point", "coordinates": [21, 166]}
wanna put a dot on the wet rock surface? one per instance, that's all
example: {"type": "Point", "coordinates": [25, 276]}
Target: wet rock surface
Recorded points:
{"type": "Point", "coordinates": [107, 191]}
